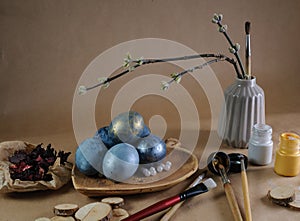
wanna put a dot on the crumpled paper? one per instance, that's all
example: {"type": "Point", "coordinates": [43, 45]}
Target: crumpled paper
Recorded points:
{"type": "Point", "coordinates": [61, 174]}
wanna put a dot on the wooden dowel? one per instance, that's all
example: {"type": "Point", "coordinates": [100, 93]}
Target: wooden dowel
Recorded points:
{"type": "Point", "coordinates": [246, 192]}
{"type": "Point", "coordinates": [232, 202]}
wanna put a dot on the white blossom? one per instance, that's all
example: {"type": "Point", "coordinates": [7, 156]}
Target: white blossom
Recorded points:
{"type": "Point", "coordinates": [232, 50]}
{"type": "Point", "coordinates": [177, 77]}
{"type": "Point", "coordinates": [103, 81]}
{"type": "Point", "coordinates": [82, 90]}
{"type": "Point", "coordinates": [165, 85]}
{"type": "Point", "coordinates": [223, 28]}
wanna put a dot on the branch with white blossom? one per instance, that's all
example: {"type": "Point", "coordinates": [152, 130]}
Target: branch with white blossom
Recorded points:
{"type": "Point", "coordinates": [131, 64]}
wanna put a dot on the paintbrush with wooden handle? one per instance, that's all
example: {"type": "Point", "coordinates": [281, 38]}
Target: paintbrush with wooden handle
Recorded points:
{"type": "Point", "coordinates": [248, 49]}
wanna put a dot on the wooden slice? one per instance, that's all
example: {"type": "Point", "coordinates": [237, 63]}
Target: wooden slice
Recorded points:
{"type": "Point", "coordinates": [62, 218]}
{"type": "Point", "coordinates": [295, 205]}
{"type": "Point", "coordinates": [115, 202]}
{"type": "Point", "coordinates": [99, 212]}
{"type": "Point", "coordinates": [65, 209]}
{"type": "Point", "coordinates": [119, 214]}
{"type": "Point", "coordinates": [83, 211]}
{"type": "Point", "coordinates": [42, 219]}
{"type": "Point", "coordinates": [282, 195]}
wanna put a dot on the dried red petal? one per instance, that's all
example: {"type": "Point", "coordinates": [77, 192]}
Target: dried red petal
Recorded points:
{"type": "Point", "coordinates": [35, 165]}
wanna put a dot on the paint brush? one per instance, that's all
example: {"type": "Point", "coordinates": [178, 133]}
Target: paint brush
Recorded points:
{"type": "Point", "coordinates": [164, 204]}
{"type": "Point", "coordinates": [174, 208]}
{"type": "Point", "coordinates": [248, 49]}
{"type": "Point", "coordinates": [245, 191]}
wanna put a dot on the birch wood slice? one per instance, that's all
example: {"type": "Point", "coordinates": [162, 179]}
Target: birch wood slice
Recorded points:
{"type": "Point", "coordinates": [62, 218]}
{"type": "Point", "coordinates": [83, 211]}
{"type": "Point", "coordinates": [184, 164]}
{"type": "Point", "coordinates": [115, 202]}
{"type": "Point", "coordinates": [295, 205]}
{"type": "Point", "coordinates": [99, 212]}
{"type": "Point", "coordinates": [119, 214]}
{"type": "Point", "coordinates": [42, 219]}
{"type": "Point", "coordinates": [65, 209]}
{"type": "Point", "coordinates": [282, 195]}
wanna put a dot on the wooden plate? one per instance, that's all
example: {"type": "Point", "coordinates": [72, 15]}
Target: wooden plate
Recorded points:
{"type": "Point", "coordinates": [184, 164]}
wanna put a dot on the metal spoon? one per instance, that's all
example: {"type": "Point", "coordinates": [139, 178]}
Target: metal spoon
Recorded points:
{"type": "Point", "coordinates": [219, 163]}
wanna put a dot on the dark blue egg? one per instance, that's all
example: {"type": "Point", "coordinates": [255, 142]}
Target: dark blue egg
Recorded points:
{"type": "Point", "coordinates": [103, 135]}
{"type": "Point", "coordinates": [151, 149]}
{"type": "Point", "coordinates": [89, 156]}
{"type": "Point", "coordinates": [146, 132]}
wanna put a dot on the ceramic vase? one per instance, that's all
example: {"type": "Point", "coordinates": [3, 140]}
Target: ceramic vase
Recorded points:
{"type": "Point", "coordinates": [244, 107]}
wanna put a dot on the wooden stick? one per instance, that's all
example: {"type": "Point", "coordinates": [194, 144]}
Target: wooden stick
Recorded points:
{"type": "Point", "coordinates": [230, 194]}
{"type": "Point", "coordinates": [232, 202]}
{"type": "Point", "coordinates": [245, 192]}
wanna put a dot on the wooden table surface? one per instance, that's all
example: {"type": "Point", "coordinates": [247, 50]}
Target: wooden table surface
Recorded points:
{"type": "Point", "coordinates": [209, 206]}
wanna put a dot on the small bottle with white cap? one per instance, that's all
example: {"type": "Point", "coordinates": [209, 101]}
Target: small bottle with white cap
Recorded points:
{"type": "Point", "coordinates": [260, 146]}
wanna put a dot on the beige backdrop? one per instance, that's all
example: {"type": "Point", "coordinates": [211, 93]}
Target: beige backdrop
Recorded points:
{"type": "Point", "coordinates": [46, 46]}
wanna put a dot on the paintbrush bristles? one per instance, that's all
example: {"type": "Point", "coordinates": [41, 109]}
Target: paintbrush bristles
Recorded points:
{"type": "Point", "coordinates": [247, 27]}
{"type": "Point", "coordinates": [210, 183]}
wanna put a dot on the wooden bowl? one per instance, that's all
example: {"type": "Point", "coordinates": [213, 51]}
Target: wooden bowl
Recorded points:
{"type": "Point", "coordinates": [184, 164]}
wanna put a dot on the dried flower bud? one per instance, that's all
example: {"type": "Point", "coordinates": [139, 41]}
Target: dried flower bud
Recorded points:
{"type": "Point", "coordinates": [125, 64]}
{"type": "Point", "coordinates": [127, 60]}
{"type": "Point", "coordinates": [237, 46]}
{"type": "Point", "coordinates": [216, 16]}
{"type": "Point", "coordinates": [82, 90]}
{"type": "Point", "coordinates": [214, 21]}
{"type": "Point", "coordinates": [232, 50]}
{"type": "Point", "coordinates": [223, 28]}
{"type": "Point", "coordinates": [131, 69]}
{"type": "Point", "coordinates": [128, 57]}
{"type": "Point", "coordinates": [140, 61]}
{"type": "Point", "coordinates": [165, 85]}
{"type": "Point", "coordinates": [176, 77]}
{"type": "Point", "coordinates": [103, 81]}
{"type": "Point", "coordinates": [220, 17]}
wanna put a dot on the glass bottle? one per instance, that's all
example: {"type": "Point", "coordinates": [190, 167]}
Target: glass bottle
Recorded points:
{"type": "Point", "coordinates": [287, 159]}
{"type": "Point", "coordinates": [260, 147]}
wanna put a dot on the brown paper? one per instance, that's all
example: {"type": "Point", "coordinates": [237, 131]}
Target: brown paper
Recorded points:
{"type": "Point", "coordinates": [61, 174]}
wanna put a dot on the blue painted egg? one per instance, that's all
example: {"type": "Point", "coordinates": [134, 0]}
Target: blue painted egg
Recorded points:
{"type": "Point", "coordinates": [89, 156]}
{"type": "Point", "coordinates": [127, 127]}
{"type": "Point", "coordinates": [146, 131]}
{"type": "Point", "coordinates": [103, 135]}
{"type": "Point", "coordinates": [120, 162]}
{"type": "Point", "coordinates": [151, 149]}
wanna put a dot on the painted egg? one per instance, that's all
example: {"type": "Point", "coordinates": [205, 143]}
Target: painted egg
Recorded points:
{"type": "Point", "coordinates": [89, 156]}
{"type": "Point", "coordinates": [151, 149]}
{"type": "Point", "coordinates": [146, 131]}
{"type": "Point", "coordinates": [127, 127]}
{"type": "Point", "coordinates": [120, 162]}
{"type": "Point", "coordinates": [103, 135]}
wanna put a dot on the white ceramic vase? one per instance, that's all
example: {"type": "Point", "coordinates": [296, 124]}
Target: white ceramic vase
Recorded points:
{"type": "Point", "coordinates": [244, 106]}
